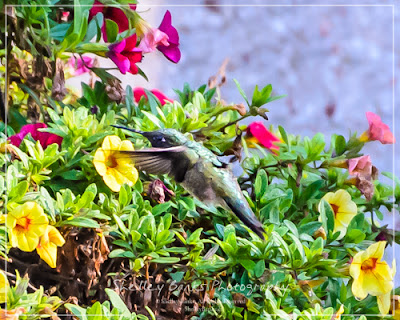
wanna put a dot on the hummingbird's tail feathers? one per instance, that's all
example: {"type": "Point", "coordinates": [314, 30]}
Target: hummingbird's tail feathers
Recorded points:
{"type": "Point", "coordinates": [244, 213]}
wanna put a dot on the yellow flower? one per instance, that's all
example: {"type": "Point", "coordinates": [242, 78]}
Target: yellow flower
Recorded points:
{"type": "Point", "coordinates": [338, 314]}
{"type": "Point", "coordinates": [115, 170]}
{"type": "Point", "coordinates": [372, 275]}
{"type": "Point", "coordinates": [343, 208]}
{"type": "Point", "coordinates": [3, 287]}
{"type": "Point", "coordinates": [47, 247]}
{"type": "Point", "coordinates": [26, 223]}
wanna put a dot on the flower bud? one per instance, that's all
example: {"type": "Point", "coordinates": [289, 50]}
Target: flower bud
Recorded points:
{"type": "Point", "coordinates": [320, 233]}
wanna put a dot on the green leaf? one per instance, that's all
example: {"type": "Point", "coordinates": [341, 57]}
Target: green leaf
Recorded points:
{"type": "Point", "coordinates": [161, 208]}
{"type": "Point", "coordinates": [259, 268]}
{"type": "Point", "coordinates": [166, 260]}
{"type": "Point", "coordinates": [111, 30]}
{"type": "Point", "coordinates": [77, 310]}
{"type": "Point", "coordinates": [327, 215]}
{"type": "Point", "coordinates": [18, 191]}
{"type": "Point", "coordinates": [340, 145]}
{"type": "Point", "coordinates": [117, 302]}
{"type": "Point", "coordinates": [121, 225]}
{"type": "Point", "coordinates": [194, 237]}
{"type": "Point", "coordinates": [81, 222]}
{"type": "Point", "coordinates": [261, 183]}
{"type": "Point", "coordinates": [241, 92]}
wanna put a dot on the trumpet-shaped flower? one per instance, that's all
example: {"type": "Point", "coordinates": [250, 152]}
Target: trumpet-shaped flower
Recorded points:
{"type": "Point", "coordinates": [125, 54]}
{"type": "Point", "coordinates": [170, 51]}
{"type": "Point", "coordinates": [115, 170]}
{"type": "Point", "coordinates": [45, 138]}
{"type": "Point", "coordinates": [48, 243]}
{"type": "Point", "coordinates": [377, 130]}
{"type": "Point", "coordinates": [360, 166]}
{"type": "Point", "coordinates": [3, 287]}
{"type": "Point", "coordinates": [26, 223]}
{"type": "Point", "coordinates": [257, 133]}
{"type": "Point", "coordinates": [344, 210]}
{"type": "Point", "coordinates": [372, 275]}
{"type": "Point", "coordinates": [152, 38]}
{"type": "Point", "coordinates": [139, 92]}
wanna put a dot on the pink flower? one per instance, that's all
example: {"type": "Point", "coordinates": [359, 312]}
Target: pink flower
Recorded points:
{"type": "Point", "coordinates": [45, 138]}
{"type": "Point", "coordinates": [111, 13]}
{"type": "Point", "coordinates": [152, 39]}
{"type": "Point", "coordinates": [125, 55]}
{"type": "Point", "coordinates": [360, 166]}
{"type": "Point", "coordinates": [258, 133]}
{"type": "Point", "coordinates": [80, 66]}
{"type": "Point", "coordinates": [377, 130]}
{"type": "Point", "coordinates": [139, 92]}
{"type": "Point", "coordinates": [171, 51]}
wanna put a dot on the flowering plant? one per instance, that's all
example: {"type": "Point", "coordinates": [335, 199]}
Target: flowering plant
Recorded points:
{"type": "Point", "coordinates": [97, 236]}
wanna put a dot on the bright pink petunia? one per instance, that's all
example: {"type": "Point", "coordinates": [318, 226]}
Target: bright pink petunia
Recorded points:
{"type": "Point", "coordinates": [152, 39]}
{"type": "Point", "coordinates": [124, 54]}
{"type": "Point", "coordinates": [360, 166]}
{"type": "Point", "coordinates": [111, 13]}
{"type": "Point", "coordinates": [258, 133]}
{"type": "Point", "coordinates": [377, 130]}
{"type": "Point", "coordinates": [45, 138]}
{"type": "Point", "coordinates": [171, 52]}
{"type": "Point", "coordinates": [139, 92]}
{"type": "Point", "coordinates": [80, 66]}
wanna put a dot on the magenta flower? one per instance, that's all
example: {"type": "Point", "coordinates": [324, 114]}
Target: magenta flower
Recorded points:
{"type": "Point", "coordinates": [125, 54]}
{"type": "Point", "coordinates": [257, 133]}
{"type": "Point", "coordinates": [377, 130]}
{"type": "Point", "coordinates": [139, 92]}
{"type": "Point", "coordinates": [152, 39]}
{"type": "Point", "coordinates": [360, 166]}
{"type": "Point", "coordinates": [45, 138]}
{"type": "Point", "coordinates": [171, 51]}
{"type": "Point", "coordinates": [111, 13]}
{"type": "Point", "coordinates": [80, 66]}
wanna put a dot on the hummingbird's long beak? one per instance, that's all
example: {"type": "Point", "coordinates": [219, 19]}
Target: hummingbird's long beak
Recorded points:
{"type": "Point", "coordinates": [129, 129]}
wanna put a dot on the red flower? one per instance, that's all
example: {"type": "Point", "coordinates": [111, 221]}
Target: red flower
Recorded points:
{"type": "Point", "coordinates": [111, 13]}
{"type": "Point", "coordinates": [171, 52]}
{"type": "Point", "coordinates": [377, 130]}
{"type": "Point", "coordinates": [45, 138]}
{"type": "Point", "coordinates": [125, 55]}
{"type": "Point", "coordinates": [258, 133]}
{"type": "Point", "coordinates": [139, 92]}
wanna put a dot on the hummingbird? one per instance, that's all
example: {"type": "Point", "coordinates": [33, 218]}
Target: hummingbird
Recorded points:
{"type": "Point", "coordinates": [196, 168]}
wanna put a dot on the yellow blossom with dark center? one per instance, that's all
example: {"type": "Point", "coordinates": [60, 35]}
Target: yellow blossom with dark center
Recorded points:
{"type": "Point", "coordinates": [372, 275]}
{"type": "Point", "coordinates": [344, 210]}
{"type": "Point", "coordinates": [114, 169]}
{"type": "Point", "coordinates": [26, 223]}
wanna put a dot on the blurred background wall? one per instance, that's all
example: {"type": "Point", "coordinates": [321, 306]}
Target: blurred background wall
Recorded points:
{"type": "Point", "coordinates": [334, 62]}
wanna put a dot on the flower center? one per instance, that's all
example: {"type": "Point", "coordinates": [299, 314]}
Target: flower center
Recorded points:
{"type": "Point", "coordinates": [335, 209]}
{"type": "Point", "coordinates": [111, 162]}
{"type": "Point", "coordinates": [23, 224]}
{"type": "Point", "coordinates": [369, 264]}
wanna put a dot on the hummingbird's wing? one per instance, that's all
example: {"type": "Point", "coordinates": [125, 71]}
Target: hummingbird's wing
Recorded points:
{"type": "Point", "coordinates": [172, 161]}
